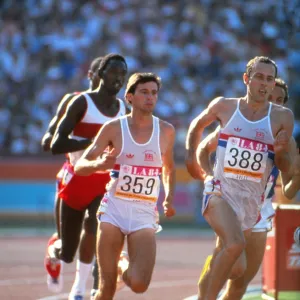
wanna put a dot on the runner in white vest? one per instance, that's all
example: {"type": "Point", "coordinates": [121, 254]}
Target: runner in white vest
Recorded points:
{"type": "Point", "coordinates": [254, 134]}
{"type": "Point", "coordinates": [141, 154]}
{"type": "Point", "coordinates": [255, 247]}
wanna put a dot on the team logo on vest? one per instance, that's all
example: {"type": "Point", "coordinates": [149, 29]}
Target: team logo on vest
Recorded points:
{"type": "Point", "coordinates": [237, 129]}
{"type": "Point", "coordinates": [129, 155]}
{"type": "Point", "coordinates": [149, 155]}
{"type": "Point", "coordinates": [260, 134]}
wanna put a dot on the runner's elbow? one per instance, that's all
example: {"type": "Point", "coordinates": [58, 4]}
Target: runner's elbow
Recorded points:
{"type": "Point", "coordinates": [55, 149]}
{"type": "Point", "coordinates": [56, 146]}
{"type": "Point", "coordinates": [46, 141]}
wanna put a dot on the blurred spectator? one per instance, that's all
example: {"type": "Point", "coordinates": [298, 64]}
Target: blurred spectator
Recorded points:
{"type": "Point", "coordinates": [199, 48]}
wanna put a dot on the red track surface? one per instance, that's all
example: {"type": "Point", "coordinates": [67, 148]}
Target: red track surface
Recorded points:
{"type": "Point", "coordinates": [178, 264]}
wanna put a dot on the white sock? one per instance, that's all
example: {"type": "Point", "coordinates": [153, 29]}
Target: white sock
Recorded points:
{"type": "Point", "coordinates": [82, 274]}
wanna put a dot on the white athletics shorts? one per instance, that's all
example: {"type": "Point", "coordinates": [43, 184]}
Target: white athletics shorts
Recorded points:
{"type": "Point", "coordinates": [263, 225]}
{"type": "Point", "coordinates": [246, 211]}
{"type": "Point", "coordinates": [129, 216]}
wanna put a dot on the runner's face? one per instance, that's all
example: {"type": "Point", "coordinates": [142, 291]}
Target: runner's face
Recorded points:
{"type": "Point", "coordinates": [261, 81]}
{"type": "Point", "coordinates": [277, 96]}
{"type": "Point", "coordinates": [145, 96]}
{"type": "Point", "coordinates": [113, 75]}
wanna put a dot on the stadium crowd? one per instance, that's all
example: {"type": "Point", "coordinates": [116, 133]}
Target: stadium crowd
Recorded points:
{"type": "Point", "coordinates": [199, 48]}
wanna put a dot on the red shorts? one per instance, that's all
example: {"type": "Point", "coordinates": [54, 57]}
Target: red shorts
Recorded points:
{"type": "Point", "coordinates": [79, 191]}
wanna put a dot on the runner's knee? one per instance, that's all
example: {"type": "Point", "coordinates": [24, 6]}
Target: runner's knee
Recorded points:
{"type": "Point", "coordinates": [67, 254]}
{"type": "Point", "coordinates": [67, 257]}
{"type": "Point", "coordinates": [235, 248]}
{"type": "Point", "coordinates": [138, 285]}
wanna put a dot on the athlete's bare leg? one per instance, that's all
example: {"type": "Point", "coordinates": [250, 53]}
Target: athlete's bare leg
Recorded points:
{"type": "Point", "coordinates": [224, 222]}
{"type": "Point", "coordinates": [237, 270]}
{"type": "Point", "coordinates": [255, 249]}
{"type": "Point", "coordinates": [205, 274]}
{"type": "Point", "coordinates": [87, 244]}
{"type": "Point", "coordinates": [142, 254]}
{"type": "Point", "coordinates": [110, 242]}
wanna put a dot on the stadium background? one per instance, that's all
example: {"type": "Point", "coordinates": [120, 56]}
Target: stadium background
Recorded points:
{"type": "Point", "coordinates": [199, 48]}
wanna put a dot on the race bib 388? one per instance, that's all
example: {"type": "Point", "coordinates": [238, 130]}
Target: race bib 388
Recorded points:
{"type": "Point", "coordinates": [245, 159]}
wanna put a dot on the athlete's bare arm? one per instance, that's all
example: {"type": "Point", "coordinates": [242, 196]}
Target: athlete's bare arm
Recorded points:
{"type": "Point", "coordinates": [209, 115]}
{"type": "Point", "coordinates": [47, 138]}
{"type": "Point", "coordinates": [284, 133]}
{"type": "Point", "coordinates": [290, 181]}
{"type": "Point", "coordinates": [90, 162]}
{"type": "Point", "coordinates": [168, 171]}
{"type": "Point", "coordinates": [206, 147]}
{"type": "Point", "coordinates": [61, 142]}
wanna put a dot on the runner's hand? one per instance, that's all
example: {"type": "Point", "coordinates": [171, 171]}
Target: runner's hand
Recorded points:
{"type": "Point", "coordinates": [108, 160]}
{"type": "Point", "coordinates": [169, 209]}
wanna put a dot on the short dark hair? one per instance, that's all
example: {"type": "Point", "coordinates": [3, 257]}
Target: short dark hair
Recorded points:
{"type": "Point", "coordinates": [281, 83]}
{"type": "Point", "coordinates": [262, 59]}
{"type": "Point", "coordinates": [95, 64]}
{"type": "Point", "coordinates": [138, 78]}
{"type": "Point", "coordinates": [105, 60]}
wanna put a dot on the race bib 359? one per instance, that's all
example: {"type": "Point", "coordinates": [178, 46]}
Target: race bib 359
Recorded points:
{"type": "Point", "coordinates": [138, 183]}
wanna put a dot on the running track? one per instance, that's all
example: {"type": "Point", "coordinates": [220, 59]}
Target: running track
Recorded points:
{"type": "Point", "coordinates": [179, 260]}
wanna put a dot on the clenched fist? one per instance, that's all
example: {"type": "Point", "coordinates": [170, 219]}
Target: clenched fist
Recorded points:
{"type": "Point", "coordinates": [169, 209]}
{"type": "Point", "coordinates": [107, 160]}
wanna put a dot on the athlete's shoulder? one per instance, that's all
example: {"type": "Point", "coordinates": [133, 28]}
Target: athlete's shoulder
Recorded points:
{"type": "Point", "coordinates": [166, 127]}
{"type": "Point", "coordinates": [284, 114]}
{"type": "Point", "coordinates": [230, 101]}
{"type": "Point", "coordinates": [222, 102]}
{"type": "Point", "coordinates": [64, 102]}
{"type": "Point", "coordinates": [73, 94]}
{"type": "Point", "coordinates": [68, 97]}
{"type": "Point", "coordinates": [114, 123]}
{"type": "Point", "coordinates": [78, 97]}
{"type": "Point", "coordinates": [281, 109]}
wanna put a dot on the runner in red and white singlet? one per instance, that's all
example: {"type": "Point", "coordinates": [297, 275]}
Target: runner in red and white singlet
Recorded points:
{"type": "Point", "coordinates": [46, 141]}
{"type": "Point", "coordinates": [84, 116]}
